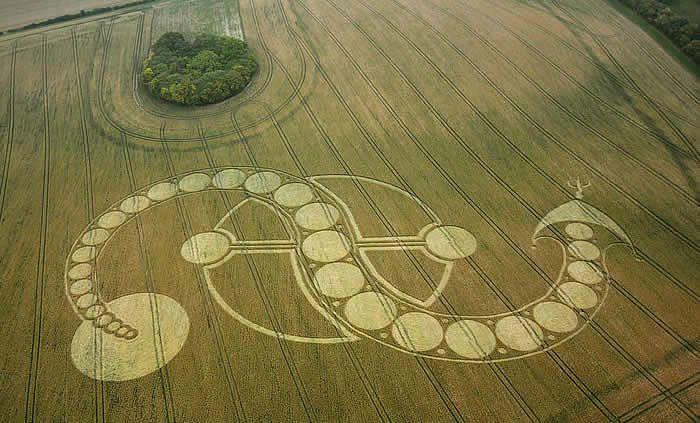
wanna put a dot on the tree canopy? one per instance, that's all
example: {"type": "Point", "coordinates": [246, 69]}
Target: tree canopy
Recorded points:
{"type": "Point", "coordinates": [207, 69]}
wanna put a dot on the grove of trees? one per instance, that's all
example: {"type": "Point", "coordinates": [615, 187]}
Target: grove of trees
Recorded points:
{"type": "Point", "coordinates": [684, 33]}
{"type": "Point", "coordinates": [207, 69]}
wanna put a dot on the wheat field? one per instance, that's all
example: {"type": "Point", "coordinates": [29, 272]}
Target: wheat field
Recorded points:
{"type": "Point", "coordinates": [418, 211]}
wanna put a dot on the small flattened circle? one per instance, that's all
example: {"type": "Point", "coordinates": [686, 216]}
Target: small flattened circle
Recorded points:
{"type": "Point", "coordinates": [417, 331]}
{"type": "Point", "coordinates": [80, 287]}
{"type": "Point", "coordinates": [370, 310]}
{"type": "Point", "coordinates": [205, 248]}
{"type": "Point", "coordinates": [519, 333]}
{"type": "Point", "coordinates": [263, 182]}
{"type": "Point", "coordinates": [585, 272]}
{"type": "Point", "coordinates": [577, 295]}
{"type": "Point", "coordinates": [104, 320]}
{"type": "Point", "coordinates": [111, 219]}
{"type": "Point", "coordinates": [555, 317]}
{"type": "Point", "coordinates": [317, 216]}
{"type": "Point", "coordinates": [584, 250]}
{"type": "Point", "coordinates": [80, 271]}
{"type": "Point", "coordinates": [228, 179]}
{"type": "Point", "coordinates": [579, 230]}
{"type": "Point", "coordinates": [86, 300]}
{"type": "Point", "coordinates": [95, 237]}
{"type": "Point", "coordinates": [194, 182]}
{"type": "Point", "coordinates": [294, 195]}
{"type": "Point", "coordinates": [162, 191]}
{"type": "Point", "coordinates": [135, 204]}
{"type": "Point", "coordinates": [93, 311]}
{"type": "Point", "coordinates": [450, 242]}
{"type": "Point", "coordinates": [339, 280]}
{"type": "Point", "coordinates": [470, 339]}
{"type": "Point", "coordinates": [84, 254]}
{"type": "Point", "coordinates": [326, 246]}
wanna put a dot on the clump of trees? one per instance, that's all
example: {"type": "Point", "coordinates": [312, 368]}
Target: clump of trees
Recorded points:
{"type": "Point", "coordinates": [207, 69]}
{"type": "Point", "coordinates": [684, 33]}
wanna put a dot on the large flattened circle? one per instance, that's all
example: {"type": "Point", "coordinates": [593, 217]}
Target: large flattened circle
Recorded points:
{"type": "Point", "coordinates": [519, 333]}
{"type": "Point", "coordinates": [450, 242]}
{"type": "Point", "coordinates": [205, 248]}
{"type": "Point", "coordinates": [119, 359]}
{"type": "Point", "coordinates": [470, 339]}
{"type": "Point", "coordinates": [417, 331]}
{"type": "Point", "coordinates": [326, 246]}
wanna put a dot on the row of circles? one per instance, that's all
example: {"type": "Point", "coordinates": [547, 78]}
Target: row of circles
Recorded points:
{"type": "Point", "coordinates": [81, 285]}
{"type": "Point", "coordinates": [419, 331]}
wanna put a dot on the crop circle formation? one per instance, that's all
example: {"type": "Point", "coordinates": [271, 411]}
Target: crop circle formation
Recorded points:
{"type": "Point", "coordinates": [204, 70]}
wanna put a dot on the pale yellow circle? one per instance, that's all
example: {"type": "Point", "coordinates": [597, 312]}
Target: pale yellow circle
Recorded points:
{"type": "Point", "coordinates": [80, 287]}
{"type": "Point", "coordinates": [103, 320]}
{"type": "Point", "coordinates": [86, 300]}
{"type": "Point", "coordinates": [118, 359]}
{"type": "Point", "coordinates": [162, 191]}
{"type": "Point", "coordinates": [317, 216]}
{"type": "Point", "coordinates": [228, 179]}
{"type": "Point", "coordinates": [83, 254]}
{"type": "Point", "coordinates": [80, 271]}
{"type": "Point", "coordinates": [585, 272]}
{"type": "Point", "coordinates": [294, 195]}
{"type": "Point", "coordinates": [339, 280]}
{"type": "Point", "coordinates": [111, 219]}
{"type": "Point", "coordinates": [470, 339]}
{"type": "Point", "coordinates": [95, 237]}
{"type": "Point", "coordinates": [555, 317]}
{"type": "Point", "coordinates": [584, 250]}
{"type": "Point", "coordinates": [94, 311]}
{"type": "Point", "coordinates": [194, 182]}
{"type": "Point", "coordinates": [262, 182]}
{"type": "Point", "coordinates": [135, 204]}
{"type": "Point", "coordinates": [205, 248]}
{"type": "Point", "coordinates": [578, 230]}
{"type": "Point", "coordinates": [519, 333]}
{"type": "Point", "coordinates": [450, 242]}
{"type": "Point", "coordinates": [370, 310]}
{"type": "Point", "coordinates": [326, 246]}
{"type": "Point", "coordinates": [577, 295]}
{"type": "Point", "coordinates": [417, 331]}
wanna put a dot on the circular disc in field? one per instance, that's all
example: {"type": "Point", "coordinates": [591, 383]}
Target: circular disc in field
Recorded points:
{"type": "Point", "coordinates": [577, 295]}
{"type": "Point", "coordinates": [135, 204]}
{"type": "Point", "coordinates": [326, 246]}
{"type": "Point", "coordinates": [451, 242]}
{"type": "Point", "coordinates": [194, 182]}
{"type": "Point", "coordinates": [579, 230]}
{"type": "Point", "coordinates": [84, 254]}
{"type": "Point", "coordinates": [162, 191]}
{"type": "Point", "coordinates": [119, 359]}
{"type": "Point", "coordinates": [205, 248]}
{"type": "Point", "coordinates": [417, 331]}
{"type": "Point", "coordinates": [585, 272]}
{"type": "Point", "coordinates": [519, 333]}
{"type": "Point", "coordinates": [470, 339]}
{"type": "Point", "coordinates": [339, 280]}
{"type": "Point", "coordinates": [317, 216]}
{"type": "Point", "coordinates": [555, 316]}
{"type": "Point", "coordinates": [229, 179]}
{"type": "Point", "coordinates": [111, 219]}
{"type": "Point", "coordinates": [294, 195]}
{"type": "Point", "coordinates": [262, 182]}
{"type": "Point", "coordinates": [370, 310]}
{"type": "Point", "coordinates": [95, 237]}
{"type": "Point", "coordinates": [80, 271]}
{"type": "Point", "coordinates": [584, 250]}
